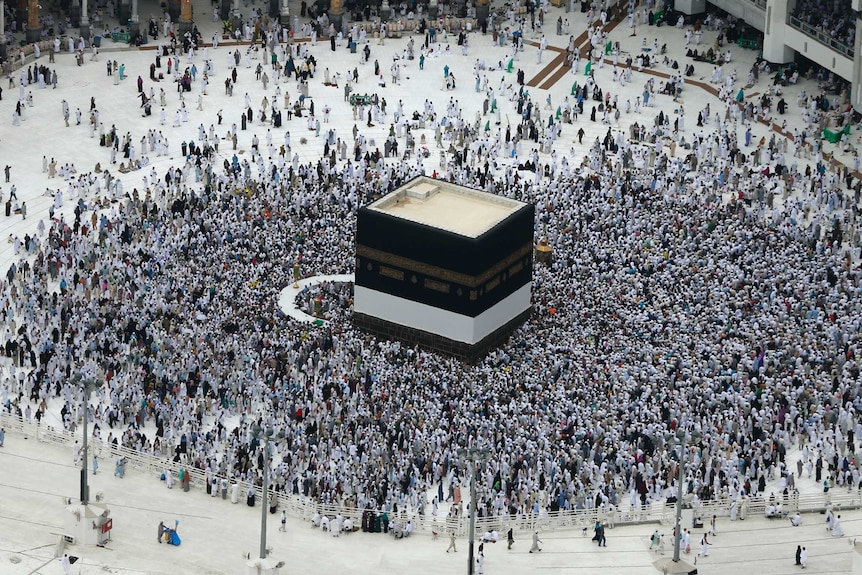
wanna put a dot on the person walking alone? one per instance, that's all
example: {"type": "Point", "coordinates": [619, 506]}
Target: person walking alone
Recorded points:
{"type": "Point", "coordinates": [66, 564]}
{"type": "Point", "coordinates": [704, 546]}
{"type": "Point", "coordinates": [451, 543]}
{"type": "Point", "coordinates": [654, 540]}
{"type": "Point", "coordinates": [536, 542]}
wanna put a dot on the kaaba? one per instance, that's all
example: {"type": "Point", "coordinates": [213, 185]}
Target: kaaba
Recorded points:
{"type": "Point", "coordinates": [444, 266]}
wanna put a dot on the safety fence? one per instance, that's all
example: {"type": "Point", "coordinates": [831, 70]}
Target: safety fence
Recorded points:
{"type": "Point", "coordinates": [835, 499]}
{"type": "Point", "coordinates": [304, 508]}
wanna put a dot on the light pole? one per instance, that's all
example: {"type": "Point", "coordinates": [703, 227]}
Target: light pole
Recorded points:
{"type": "Point", "coordinates": [681, 439]}
{"type": "Point", "coordinates": [86, 384]}
{"type": "Point", "coordinates": [475, 455]}
{"type": "Point", "coordinates": [265, 436]}
{"type": "Point", "coordinates": [678, 532]}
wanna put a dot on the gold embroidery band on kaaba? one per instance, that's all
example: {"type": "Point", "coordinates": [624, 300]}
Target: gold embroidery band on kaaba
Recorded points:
{"type": "Point", "coordinates": [443, 273]}
{"type": "Point", "coordinates": [392, 273]}
{"type": "Point", "coordinates": [436, 286]}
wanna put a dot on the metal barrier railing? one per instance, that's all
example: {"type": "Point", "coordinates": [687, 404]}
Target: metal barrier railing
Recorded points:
{"type": "Point", "coordinates": [821, 37]}
{"type": "Point", "coordinates": [304, 508]}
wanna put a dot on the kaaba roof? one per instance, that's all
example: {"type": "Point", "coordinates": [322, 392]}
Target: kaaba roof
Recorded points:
{"type": "Point", "coordinates": [446, 206]}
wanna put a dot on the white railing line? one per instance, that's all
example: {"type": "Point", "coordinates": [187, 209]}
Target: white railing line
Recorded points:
{"type": "Point", "coordinates": [820, 36]}
{"type": "Point", "coordinates": [300, 507]}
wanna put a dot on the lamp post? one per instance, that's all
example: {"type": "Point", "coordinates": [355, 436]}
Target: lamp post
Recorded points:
{"type": "Point", "coordinates": [678, 531]}
{"type": "Point", "coordinates": [86, 384]}
{"type": "Point", "coordinates": [3, 27]}
{"type": "Point", "coordinates": [264, 498]}
{"type": "Point", "coordinates": [475, 455]}
{"type": "Point", "coordinates": [265, 435]}
{"type": "Point", "coordinates": [681, 439]}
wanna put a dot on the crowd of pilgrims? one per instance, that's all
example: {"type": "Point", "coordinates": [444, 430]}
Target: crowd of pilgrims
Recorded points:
{"type": "Point", "coordinates": [834, 18]}
{"type": "Point", "coordinates": [698, 291]}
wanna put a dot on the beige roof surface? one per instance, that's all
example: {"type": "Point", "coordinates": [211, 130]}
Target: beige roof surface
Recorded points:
{"type": "Point", "coordinates": [446, 206]}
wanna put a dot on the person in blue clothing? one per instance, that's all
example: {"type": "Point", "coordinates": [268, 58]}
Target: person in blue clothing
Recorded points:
{"type": "Point", "coordinates": [120, 467]}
